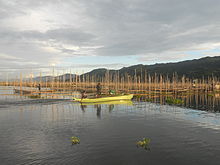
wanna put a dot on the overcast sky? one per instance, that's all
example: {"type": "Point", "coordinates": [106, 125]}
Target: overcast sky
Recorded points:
{"type": "Point", "coordinates": [87, 34]}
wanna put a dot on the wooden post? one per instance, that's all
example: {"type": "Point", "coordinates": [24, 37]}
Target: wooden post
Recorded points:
{"type": "Point", "coordinates": [21, 84]}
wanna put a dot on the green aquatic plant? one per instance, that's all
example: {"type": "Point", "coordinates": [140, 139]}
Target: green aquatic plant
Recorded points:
{"type": "Point", "coordinates": [75, 140]}
{"type": "Point", "coordinates": [34, 96]}
{"type": "Point", "coordinates": [210, 94]}
{"type": "Point", "coordinates": [148, 100]}
{"type": "Point", "coordinates": [137, 96]}
{"type": "Point", "coordinates": [112, 92]}
{"type": "Point", "coordinates": [170, 100]}
{"type": "Point", "coordinates": [144, 143]}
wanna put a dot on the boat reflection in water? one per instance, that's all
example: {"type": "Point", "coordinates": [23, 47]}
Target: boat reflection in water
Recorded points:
{"type": "Point", "coordinates": [111, 105]}
{"type": "Point", "coordinates": [98, 112]}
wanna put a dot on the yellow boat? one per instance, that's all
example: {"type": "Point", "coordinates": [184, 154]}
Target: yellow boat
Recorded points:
{"type": "Point", "coordinates": [104, 99]}
{"type": "Point", "coordinates": [126, 102]}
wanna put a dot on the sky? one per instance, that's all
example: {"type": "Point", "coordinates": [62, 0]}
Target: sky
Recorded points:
{"type": "Point", "coordinates": [80, 35]}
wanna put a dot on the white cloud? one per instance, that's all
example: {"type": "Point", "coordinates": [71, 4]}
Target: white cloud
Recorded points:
{"type": "Point", "coordinates": [46, 32]}
{"type": "Point", "coordinates": [8, 57]}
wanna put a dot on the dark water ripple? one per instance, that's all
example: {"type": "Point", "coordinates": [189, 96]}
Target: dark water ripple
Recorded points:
{"type": "Point", "coordinates": [30, 102]}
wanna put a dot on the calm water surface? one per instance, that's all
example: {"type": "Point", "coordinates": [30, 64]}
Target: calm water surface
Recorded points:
{"type": "Point", "coordinates": [39, 132]}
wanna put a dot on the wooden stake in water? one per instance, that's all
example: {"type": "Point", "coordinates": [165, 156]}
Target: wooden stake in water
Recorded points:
{"type": "Point", "coordinates": [21, 84]}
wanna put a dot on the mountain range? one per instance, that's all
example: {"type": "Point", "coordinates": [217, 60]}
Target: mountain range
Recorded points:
{"type": "Point", "coordinates": [193, 69]}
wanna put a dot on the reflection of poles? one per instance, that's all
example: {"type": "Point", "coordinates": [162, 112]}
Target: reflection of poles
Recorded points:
{"type": "Point", "coordinates": [21, 84]}
{"type": "Point", "coordinates": [83, 107]}
{"type": "Point", "coordinates": [111, 107]}
{"type": "Point", "coordinates": [98, 113]}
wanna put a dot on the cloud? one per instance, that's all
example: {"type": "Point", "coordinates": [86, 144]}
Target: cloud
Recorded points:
{"type": "Point", "coordinates": [64, 35]}
{"type": "Point", "coordinates": [8, 57]}
{"type": "Point", "coordinates": [43, 33]}
{"type": "Point", "coordinates": [43, 47]}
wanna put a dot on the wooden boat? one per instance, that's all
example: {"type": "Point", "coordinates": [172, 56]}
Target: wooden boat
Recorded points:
{"type": "Point", "coordinates": [22, 91]}
{"type": "Point", "coordinates": [104, 99]}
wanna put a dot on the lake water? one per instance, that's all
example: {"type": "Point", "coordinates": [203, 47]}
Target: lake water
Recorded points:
{"type": "Point", "coordinates": [39, 132]}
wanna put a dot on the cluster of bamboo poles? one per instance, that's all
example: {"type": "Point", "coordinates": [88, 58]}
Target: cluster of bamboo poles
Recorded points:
{"type": "Point", "coordinates": [136, 83]}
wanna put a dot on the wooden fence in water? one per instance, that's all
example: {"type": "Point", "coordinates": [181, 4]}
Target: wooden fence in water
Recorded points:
{"type": "Point", "coordinates": [136, 84]}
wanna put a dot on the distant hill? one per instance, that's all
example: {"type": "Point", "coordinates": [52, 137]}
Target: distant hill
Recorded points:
{"type": "Point", "coordinates": [64, 77]}
{"type": "Point", "coordinates": [43, 78]}
{"type": "Point", "coordinates": [198, 68]}
{"type": "Point", "coordinates": [194, 69]}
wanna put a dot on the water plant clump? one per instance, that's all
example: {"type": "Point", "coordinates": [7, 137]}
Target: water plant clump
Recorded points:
{"type": "Point", "coordinates": [148, 100]}
{"type": "Point", "coordinates": [144, 143]}
{"type": "Point", "coordinates": [210, 94]}
{"type": "Point", "coordinates": [174, 101]}
{"type": "Point", "coordinates": [34, 96]}
{"type": "Point", "coordinates": [75, 140]}
{"type": "Point", "coordinates": [137, 97]}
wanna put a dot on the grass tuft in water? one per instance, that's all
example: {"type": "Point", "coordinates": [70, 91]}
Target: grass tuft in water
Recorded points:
{"type": "Point", "coordinates": [144, 143]}
{"type": "Point", "coordinates": [170, 101]}
{"type": "Point", "coordinates": [75, 140]}
{"type": "Point", "coordinates": [34, 96]}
